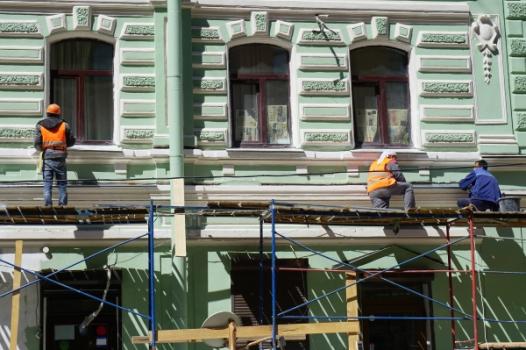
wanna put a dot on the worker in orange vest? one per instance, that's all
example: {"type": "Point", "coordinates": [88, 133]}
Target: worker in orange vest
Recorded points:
{"type": "Point", "coordinates": [385, 179]}
{"type": "Point", "coordinates": [53, 137]}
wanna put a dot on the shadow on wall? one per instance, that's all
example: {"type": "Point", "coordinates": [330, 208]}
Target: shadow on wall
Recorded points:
{"type": "Point", "coordinates": [502, 294]}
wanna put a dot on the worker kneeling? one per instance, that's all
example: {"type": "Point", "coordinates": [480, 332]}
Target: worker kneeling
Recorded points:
{"type": "Point", "coordinates": [385, 179]}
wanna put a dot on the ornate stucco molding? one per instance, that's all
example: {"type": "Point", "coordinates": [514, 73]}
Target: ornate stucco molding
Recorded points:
{"type": "Point", "coordinates": [82, 17]}
{"type": "Point", "coordinates": [326, 138]}
{"type": "Point", "coordinates": [446, 88]}
{"type": "Point", "coordinates": [521, 121]}
{"type": "Point", "coordinates": [380, 27]}
{"type": "Point", "coordinates": [209, 86]}
{"type": "Point", "coordinates": [137, 134]}
{"type": "Point", "coordinates": [488, 35]}
{"type": "Point", "coordinates": [211, 137]}
{"type": "Point", "coordinates": [320, 37]}
{"type": "Point", "coordinates": [206, 35]}
{"type": "Point", "coordinates": [145, 82]}
{"type": "Point", "coordinates": [259, 23]}
{"type": "Point", "coordinates": [20, 29]}
{"type": "Point", "coordinates": [324, 87]}
{"type": "Point", "coordinates": [443, 39]}
{"type": "Point", "coordinates": [138, 31]}
{"type": "Point", "coordinates": [21, 81]}
{"type": "Point", "coordinates": [16, 134]}
{"type": "Point", "coordinates": [447, 138]}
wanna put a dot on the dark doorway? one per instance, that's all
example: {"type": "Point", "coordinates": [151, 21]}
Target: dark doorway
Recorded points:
{"type": "Point", "coordinates": [379, 298]}
{"type": "Point", "coordinates": [292, 291]}
{"type": "Point", "coordinates": [64, 311]}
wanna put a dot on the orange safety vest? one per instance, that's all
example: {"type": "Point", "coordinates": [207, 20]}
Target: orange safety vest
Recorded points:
{"type": "Point", "coordinates": [54, 138]}
{"type": "Point", "coordinates": [379, 176]}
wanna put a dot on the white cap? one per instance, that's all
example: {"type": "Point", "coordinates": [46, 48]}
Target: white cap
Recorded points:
{"type": "Point", "coordinates": [384, 155]}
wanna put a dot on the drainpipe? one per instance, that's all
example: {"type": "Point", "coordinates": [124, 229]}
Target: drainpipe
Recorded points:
{"type": "Point", "coordinates": [174, 86]}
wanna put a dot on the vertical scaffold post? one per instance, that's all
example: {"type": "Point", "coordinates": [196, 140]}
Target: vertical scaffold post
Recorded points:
{"type": "Point", "coordinates": [473, 282]}
{"type": "Point", "coordinates": [261, 287]}
{"type": "Point", "coordinates": [151, 279]}
{"type": "Point", "coordinates": [450, 287]}
{"type": "Point", "coordinates": [273, 271]}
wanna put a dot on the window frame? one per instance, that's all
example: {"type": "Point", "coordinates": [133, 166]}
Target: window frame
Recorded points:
{"type": "Point", "coordinates": [80, 75]}
{"type": "Point", "coordinates": [379, 82]}
{"type": "Point", "coordinates": [260, 81]}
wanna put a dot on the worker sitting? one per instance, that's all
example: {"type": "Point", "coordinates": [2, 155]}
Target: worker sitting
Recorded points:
{"type": "Point", "coordinates": [484, 190]}
{"type": "Point", "coordinates": [386, 179]}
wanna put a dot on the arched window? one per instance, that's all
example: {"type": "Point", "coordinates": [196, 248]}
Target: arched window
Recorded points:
{"type": "Point", "coordinates": [380, 97]}
{"type": "Point", "coordinates": [82, 83]}
{"type": "Point", "coordinates": [259, 88]}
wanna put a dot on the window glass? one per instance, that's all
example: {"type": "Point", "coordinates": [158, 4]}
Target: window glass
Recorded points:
{"type": "Point", "coordinates": [258, 59]}
{"type": "Point", "coordinates": [378, 61]}
{"type": "Point", "coordinates": [380, 97]}
{"type": "Point", "coordinates": [82, 83]}
{"type": "Point", "coordinates": [260, 95]}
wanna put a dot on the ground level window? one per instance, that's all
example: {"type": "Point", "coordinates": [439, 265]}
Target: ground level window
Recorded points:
{"type": "Point", "coordinates": [292, 291]}
{"type": "Point", "coordinates": [379, 298]}
{"type": "Point", "coordinates": [64, 313]}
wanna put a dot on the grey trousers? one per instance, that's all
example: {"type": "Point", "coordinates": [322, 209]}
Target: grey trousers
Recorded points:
{"type": "Point", "coordinates": [380, 198]}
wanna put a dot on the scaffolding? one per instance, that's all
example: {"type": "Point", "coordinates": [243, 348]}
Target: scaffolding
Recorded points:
{"type": "Point", "coordinates": [284, 213]}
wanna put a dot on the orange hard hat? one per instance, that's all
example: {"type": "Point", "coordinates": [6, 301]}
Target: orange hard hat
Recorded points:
{"type": "Point", "coordinates": [54, 109]}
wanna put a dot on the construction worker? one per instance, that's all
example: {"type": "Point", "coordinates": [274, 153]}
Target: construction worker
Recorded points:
{"type": "Point", "coordinates": [385, 179]}
{"type": "Point", "coordinates": [484, 190]}
{"type": "Point", "coordinates": [53, 137]}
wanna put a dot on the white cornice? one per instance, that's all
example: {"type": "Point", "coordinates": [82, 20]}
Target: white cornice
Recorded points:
{"type": "Point", "coordinates": [98, 6]}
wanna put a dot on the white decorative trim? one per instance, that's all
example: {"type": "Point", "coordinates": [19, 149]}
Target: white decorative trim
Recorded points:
{"type": "Point", "coordinates": [56, 23]}
{"type": "Point", "coordinates": [212, 90]}
{"type": "Point", "coordinates": [28, 112]}
{"type": "Point", "coordinates": [143, 36]}
{"type": "Point", "coordinates": [77, 19]}
{"type": "Point", "coordinates": [202, 141]}
{"type": "Point", "coordinates": [497, 139]}
{"type": "Point", "coordinates": [26, 131]}
{"type": "Point", "coordinates": [231, 29]}
{"type": "Point", "coordinates": [379, 27]}
{"type": "Point", "coordinates": [204, 39]}
{"type": "Point", "coordinates": [344, 117]}
{"type": "Point", "coordinates": [399, 32]}
{"type": "Point", "coordinates": [357, 32]}
{"type": "Point", "coordinates": [138, 140]}
{"type": "Point", "coordinates": [105, 24]}
{"type": "Point", "coordinates": [127, 113]}
{"type": "Point", "coordinates": [465, 69]}
{"type": "Point", "coordinates": [443, 43]}
{"type": "Point", "coordinates": [137, 86]}
{"type": "Point", "coordinates": [14, 86]}
{"type": "Point", "coordinates": [446, 93]}
{"type": "Point", "coordinates": [335, 92]}
{"type": "Point", "coordinates": [322, 40]}
{"type": "Point", "coordinates": [283, 30]}
{"type": "Point", "coordinates": [222, 116]}
{"type": "Point", "coordinates": [137, 62]}
{"type": "Point", "coordinates": [346, 132]}
{"type": "Point", "coordinates": [221, 64]}
{"type": "Point", "coordinates": [18, 60]}
{"type": "Point", "coordinates": [488, 34]}
{"type": "Point", "coordinates": [28, 34]}
{"type": "Point", "coordinates": [343, 60]}
{"type": "Point", "coordinates": [447, 117]}
{"type": "Point", "coordinates": [448, 137]}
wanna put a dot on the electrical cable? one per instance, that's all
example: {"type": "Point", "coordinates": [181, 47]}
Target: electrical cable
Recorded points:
{"type": "Point", "coordinates": [86, 322]}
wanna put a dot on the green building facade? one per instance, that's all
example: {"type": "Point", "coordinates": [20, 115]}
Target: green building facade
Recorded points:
{"type": "Point", "coordinates": [281, 100]}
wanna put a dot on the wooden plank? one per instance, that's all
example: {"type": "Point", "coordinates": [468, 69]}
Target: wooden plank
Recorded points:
{"type": "Point", "coordinates": [249, 332]}
{"type": "Point", "coordinates": [15, 299]}
{"type": "Point", "coordinates": [351, 295]}
{"type": "Point", "coordinates": [179, 225]}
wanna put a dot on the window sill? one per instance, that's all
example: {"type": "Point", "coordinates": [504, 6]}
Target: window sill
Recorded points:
{"type": "Point", "coordinates": [96, 148]}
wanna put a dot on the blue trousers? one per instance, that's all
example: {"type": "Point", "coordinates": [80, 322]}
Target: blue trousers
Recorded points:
{"type": "Point", "coordinates": [55, 168]}
{"type": "Point", "coordinates": [480, 204]}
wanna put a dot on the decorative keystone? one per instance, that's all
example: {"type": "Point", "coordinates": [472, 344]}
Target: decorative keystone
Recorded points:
{"type": "Point", "coordinates": [56, 23]}
{"type": "Point", "coordinates": [81, 17]}
{"type": "Point", "coordinates": [259, 23]}
{"type": "Point", "coordinates": [357, 32]}
{"type": "Point", "coordinates": [403, 32]}
{"type": "Point", "coordinates": [283, 30]}
{"type": "Point", "coordinates": [380, 27]}
{"type": "Point", "coordinates": [105, 24]}
{"type": "Point", "coordinates": [236, 29]}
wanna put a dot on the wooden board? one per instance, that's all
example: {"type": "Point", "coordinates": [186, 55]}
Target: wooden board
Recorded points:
{"type": "Point", "coordinates": [179, 226]}
{"type": "Point", "coordinates": [248, 332]}
{"type": "Point", "coordinates": [15, 300]}
{"type": "Point", "coordinates": [503, 345]}
{"type": "Point", "coordinates": [351, 295]}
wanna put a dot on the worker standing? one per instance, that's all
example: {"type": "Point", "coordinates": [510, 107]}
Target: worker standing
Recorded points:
{"type": "Point", "coordinates": [484, 190]}
{"type": "Point", "coordinates": [53, 137]}
{"type": "Point", "coordinates": [386, 179]}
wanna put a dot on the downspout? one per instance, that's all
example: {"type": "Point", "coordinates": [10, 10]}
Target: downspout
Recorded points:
{"type": "Point", "coordinates": [174, 86]}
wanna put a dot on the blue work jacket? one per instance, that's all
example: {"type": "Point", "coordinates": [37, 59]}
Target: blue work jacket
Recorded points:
{"type": "Point", "coordinates": [482, 185]}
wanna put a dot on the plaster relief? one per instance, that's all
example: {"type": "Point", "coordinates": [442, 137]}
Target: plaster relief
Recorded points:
{"type": "Point", "coordinates": [488, 35]}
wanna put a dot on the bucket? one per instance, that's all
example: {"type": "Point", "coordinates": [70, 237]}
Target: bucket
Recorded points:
{"type": "Point", "coordinates": [507, 204]}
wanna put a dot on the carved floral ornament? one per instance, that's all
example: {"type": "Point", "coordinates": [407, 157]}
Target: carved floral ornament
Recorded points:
{"type": "Point", "coordinates": [488, 35]}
